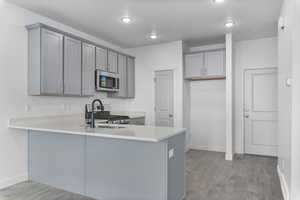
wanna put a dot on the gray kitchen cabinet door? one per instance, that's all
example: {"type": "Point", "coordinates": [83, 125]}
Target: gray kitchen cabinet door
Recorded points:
{"type": "Point", "coordinates": [215, 63]}
{"type": "Point", "coordinates": [194, 65]}
{"type": "Point", "coordinates": [72, 66]}
{"type": "Point", "coordinates": [122, 69]}
{"type": "Point", "coordinates": [112, 62]}
{"type": "Point", "coordinates": [51, 63]}
{"type": "Point", "coordinates": [130, 77]}
{"type": "Point", "coordinates": [101, 58]}
{"type": "Point", "coordinates": [88, 69]}
{"type": "Point", "coordinates": [122, 65]}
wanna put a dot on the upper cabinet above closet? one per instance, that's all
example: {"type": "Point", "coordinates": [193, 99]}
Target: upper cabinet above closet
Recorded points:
{"type": "Point", "coordinates": [205, 65]}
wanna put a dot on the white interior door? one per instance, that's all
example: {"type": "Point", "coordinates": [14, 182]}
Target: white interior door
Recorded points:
{"type": "Point", "coordinates": [164, 98]}
{"type": "Point", "coordinates": [260, 112]}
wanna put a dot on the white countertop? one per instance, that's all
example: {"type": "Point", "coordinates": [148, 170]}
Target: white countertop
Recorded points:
{"type": "Point", "coordinates": [74, 124]}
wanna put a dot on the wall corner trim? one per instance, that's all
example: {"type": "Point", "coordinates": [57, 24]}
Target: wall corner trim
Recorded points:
{"type": "Point", "coordinates": [13, 180]}
{"type": "Point", "coordinates": [229, 156]}
{"type": "Point", "coordinates": [283, 184]}
{"type": "Point", "coordinates": [229, 98]}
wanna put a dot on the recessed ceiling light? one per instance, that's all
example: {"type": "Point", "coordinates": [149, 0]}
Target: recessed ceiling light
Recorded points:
{"type": "Point", "coordinates": [153, 36]}
{"type": "Point", "coordinates": [126, 20]}
{"type": "Point", "coordinates": [229, 24]}
{"type": "Point", "coordinates": [218, 1]}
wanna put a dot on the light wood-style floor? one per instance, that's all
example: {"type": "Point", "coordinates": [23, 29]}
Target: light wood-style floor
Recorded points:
{"type": "Point", "coordinates": [209, 177]}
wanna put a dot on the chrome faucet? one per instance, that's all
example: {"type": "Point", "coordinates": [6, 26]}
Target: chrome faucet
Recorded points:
{"type": "Point", "coordinates": [92, 124]}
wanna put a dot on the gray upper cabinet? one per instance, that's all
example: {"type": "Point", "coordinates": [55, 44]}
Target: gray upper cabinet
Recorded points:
{"type": "Point", "coordinates": [88, 69]}
{"type": "Point", "coordinates": [194, 64]}
{"type": "Point", "coordinates": [112, 61]}
{"type": "Point", "coordinates": [122, 69]}
{"type": "Point", "coordinates": [62, 64]}
{"type": "Point", "coordinates": [205, 65]}
{"type": "Point", "coordinates": [45, 71]}
{"type": "Point", "coordinates": [72, 66]}
{"type": "Point", "coordinates": [51, 63]}
{"type": "Point", "coordinates": [101, 58]}
{"type": "Point", "coordinates": [130, 77]}
{"type": "Point", "coordinates": [215, 63]}
{"type": "Point", "coordinates": [122, 65]}
{"type": "Point", "coordinates": [126, 69]}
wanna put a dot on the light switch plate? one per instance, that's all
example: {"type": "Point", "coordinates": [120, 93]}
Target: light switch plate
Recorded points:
{"type": "Point", "coordinates": [171, 153]}
{"type": "Point", "coordinates": [281, 23]}
{"type": "Point", "coordinates": [288, 82]}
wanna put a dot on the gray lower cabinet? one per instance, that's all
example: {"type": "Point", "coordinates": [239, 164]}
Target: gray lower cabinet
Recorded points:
{"type": "Point", "coordinates": [57, 160]}
{"type": "Point", "coordinates": [112, 62]}
{"type": "Point", "coordinates": [105, 168]}
{"type": "Point", "coordinates": [72, 67]}
{"type": "Point", "coordinates": [130, 77]}
{"type": "Point", "coordinates": [45, 72]}
{"type": "Point", "coordinates": [101, 58]}
{"type": "Point", "coordinates": [88, 69]}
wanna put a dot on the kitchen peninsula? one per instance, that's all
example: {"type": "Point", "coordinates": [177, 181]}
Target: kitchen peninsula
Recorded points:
{"type": "Point", "coordinates": [109, 162]}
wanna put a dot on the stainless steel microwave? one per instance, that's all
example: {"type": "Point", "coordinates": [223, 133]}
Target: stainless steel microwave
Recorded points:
{"type": "Point", "coordinates": [106, 81]}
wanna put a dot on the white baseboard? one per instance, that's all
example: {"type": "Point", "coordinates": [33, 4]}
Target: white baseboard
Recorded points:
{"type": "Point", "coordinates": [284, 186]}
{"type": "Point", "coordinates": [13, 180]}
{"type": "Point", "coordinates": [209, 148]}
{"type": "Point", "coordinates": [229, 156]}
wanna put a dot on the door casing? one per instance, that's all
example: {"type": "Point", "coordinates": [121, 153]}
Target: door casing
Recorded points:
{"type": "Point", "coordinates": [243, 99]}
{"type": "Point", "coordinates": [172, 94]}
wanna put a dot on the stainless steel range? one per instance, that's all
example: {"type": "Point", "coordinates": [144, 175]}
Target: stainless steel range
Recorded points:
{"type": "Point", "coordinates": [98, 115]}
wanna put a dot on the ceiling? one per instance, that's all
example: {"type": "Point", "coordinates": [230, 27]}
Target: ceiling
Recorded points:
{"type": "Point", "coordinates": [194, 21]}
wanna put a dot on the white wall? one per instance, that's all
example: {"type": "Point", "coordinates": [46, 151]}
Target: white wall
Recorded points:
{"type": "Point", "coordinates": [152, 58]}
{"type": "Point", "coordinates": [284, 102]}
{"type": "Point", "coordinates": [13, 87]}
{"type": "Point", "coordinates": [289, 98]}
{"type": "Point", "coordinates": [208, 115]}
{"type": "Point", "coordinates": [295, 137]}
{"type": "Point", "coordinates": [260, 53]}
{"type": "Point", "coordinates": [186, 100]}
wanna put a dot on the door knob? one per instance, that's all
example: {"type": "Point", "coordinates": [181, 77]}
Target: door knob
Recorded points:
{"type": "Point", "coordinates": [246, 116]}
{"type": "Point", "coordinates": [170, 115]}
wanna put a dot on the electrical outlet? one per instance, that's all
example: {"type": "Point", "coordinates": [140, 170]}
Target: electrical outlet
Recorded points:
{"type": "Point", "coordinates": [65, 107]}
{"type": "Point", "coordinates": [27, 108]}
